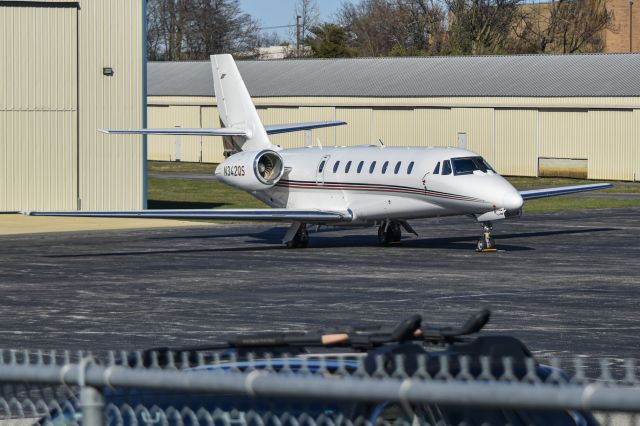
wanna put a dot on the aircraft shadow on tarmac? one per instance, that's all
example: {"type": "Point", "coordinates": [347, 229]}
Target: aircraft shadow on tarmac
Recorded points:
{"type": "Point", "coordinates": [449, 243]}
{"type": "Point", "coordinates": [273, 237]}
{"type": "Point", "coordinates": [270, 235]}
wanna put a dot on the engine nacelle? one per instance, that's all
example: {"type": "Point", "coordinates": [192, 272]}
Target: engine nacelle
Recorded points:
{"type": "Point", "coordinates": [251, 170]}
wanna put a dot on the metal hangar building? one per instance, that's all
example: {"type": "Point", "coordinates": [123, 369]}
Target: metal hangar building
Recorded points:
{"type": "Point", "coordinates": [66, 69]}
{"type": "Point", "coordinates": [562, 115]}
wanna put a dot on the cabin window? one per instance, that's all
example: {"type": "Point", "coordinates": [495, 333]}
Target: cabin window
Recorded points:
{"type": "Point", "coordinates": [321, 166]}
{"type": "Point", "coordinates": [397, 169]}
{"type": "Point", "coordinates": [347, 167]}
{"type": "Point", "coordinates": [360, 166]}
{"type": "Point", "coordinates": [335, 167]}
{"type": "Point", "coordinates": [410, 168]}
{"type": "Point", "coordinates": [384, 167]}
{"type": "Point", "coordinates": [436, 171]}
{"type": "Point", "coordinates": [446, 168]}
{"type": "Point", "coordinates": [372, 167]}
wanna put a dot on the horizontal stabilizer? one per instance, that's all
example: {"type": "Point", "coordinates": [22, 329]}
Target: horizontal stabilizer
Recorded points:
{"type": "Point", "coordinates": [273, 129]}
{"type": "Point", "coordinates": [562, 190]}
{"type": "Point", "coordinates": [178, 131]}
{"type": "Point", "coordinates": [268, 215]}
{"type": "Point", "coordinates": [182, 131]}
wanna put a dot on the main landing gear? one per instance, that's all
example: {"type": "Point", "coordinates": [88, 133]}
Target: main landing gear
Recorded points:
{"type": "Point", "coordinates": [389, 232]}
{"type": "Point", "coordinates": [486, 243]}
{"type": "Point", "coordinates": [297, 236]}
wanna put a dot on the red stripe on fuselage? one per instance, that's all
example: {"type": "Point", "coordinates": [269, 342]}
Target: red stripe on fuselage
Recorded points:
{"type": "Point", "coordinates": [374, 187]}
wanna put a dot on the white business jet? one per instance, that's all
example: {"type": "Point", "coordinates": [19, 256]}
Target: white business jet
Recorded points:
{"type": "Point", "coordinates": [343, 186]}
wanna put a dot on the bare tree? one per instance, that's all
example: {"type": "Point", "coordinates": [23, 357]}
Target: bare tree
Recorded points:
{"type": "Point", "coordinates": [564, 26]}
{"type": "Point", "coordinates": [309, 14]}
{"type": "Point", "coordinates": [195, 29]}
{"type": "Point", "coordinates": [394, 27]}
{"type": "Point", "coordinates": [155, 40]}
{"type": "Point", "coordinates": [482, 26]}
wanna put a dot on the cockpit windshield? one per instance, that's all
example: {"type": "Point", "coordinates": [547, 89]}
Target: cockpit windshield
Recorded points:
{"type": "Point", "coordinates": [467, 165]}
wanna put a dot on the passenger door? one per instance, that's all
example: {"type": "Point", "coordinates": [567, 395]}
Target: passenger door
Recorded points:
{"type": "Point", "coordinates": [322, 167]}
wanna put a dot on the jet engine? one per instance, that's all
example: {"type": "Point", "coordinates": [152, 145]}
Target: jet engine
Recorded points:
{"type": "Point", "coordinates": [251, 171]}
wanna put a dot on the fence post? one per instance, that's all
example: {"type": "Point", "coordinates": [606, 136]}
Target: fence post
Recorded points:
{"type": "Point", "coordinates": [178, 154]}
{"type": "Point", "coordinates": [92, 406]}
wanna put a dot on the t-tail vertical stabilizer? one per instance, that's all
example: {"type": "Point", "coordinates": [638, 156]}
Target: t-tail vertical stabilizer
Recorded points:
{"type": "Point", "coordinates": [235, 106]}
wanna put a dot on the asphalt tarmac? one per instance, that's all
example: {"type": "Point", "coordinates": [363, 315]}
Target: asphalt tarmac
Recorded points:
{"type": "Point", "coordinates": [568, 284]}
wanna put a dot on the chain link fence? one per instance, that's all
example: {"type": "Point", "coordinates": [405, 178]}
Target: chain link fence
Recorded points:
{"type": "Point", "coordinates": [199, 388]}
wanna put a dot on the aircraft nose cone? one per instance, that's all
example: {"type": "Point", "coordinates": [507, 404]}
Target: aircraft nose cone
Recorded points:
{"type": "Point", "coordinates": [512, 201]}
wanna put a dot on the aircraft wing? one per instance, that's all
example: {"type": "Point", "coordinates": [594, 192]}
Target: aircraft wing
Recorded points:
{"type": "Point", "coordinates": [561, 190]}
{"type": "Point", "coordinates": [268, 215]}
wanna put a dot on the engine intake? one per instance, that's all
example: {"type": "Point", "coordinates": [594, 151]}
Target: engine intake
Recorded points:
{"type": "Point", "coordinates": [268, 167]}
{"type": "Point", "coordinates": [251, 171]}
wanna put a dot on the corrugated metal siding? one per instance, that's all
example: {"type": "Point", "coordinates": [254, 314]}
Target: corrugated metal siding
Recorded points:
{"type": "Point", "coordinates": [182, 116]}
{"type": "Point", "coordinates": [327, 136]}
{"type": "Point", "coordinates": [48, 1]}
{"type": "Point", "coordinates": [530, 76]}
{"type": "Point", "coordinates": [512, 139]}
{"type": "Point", "coordinates": [395, 127]}
{"type": "Point", "coordinates": [516, 142]}
{"type": "Point", "coordinates": [449, 102]}
{"type": "Point", "coordinates": [111, 172]}
{"type": "Point", "coordinates": [433, 127]}
{"type": "Point", "coordinates": [636, 144]}
{"type": "Point", "coordinates": [477, 123]}
{"type": "Point", "coordinates": [211, 146]}
{"type": "Point", "coordinates": [161, 148]}
{"type": "Point", "coordinates": [359, 128]}
{"type": "Point", "coordinates": [38, 108]}
{"type": "Point", "coordinates": [611, 144]}
{"type": "Point", "coordinates": [283, 115]}
{"type": "Point", "coordinates": [564, 133]}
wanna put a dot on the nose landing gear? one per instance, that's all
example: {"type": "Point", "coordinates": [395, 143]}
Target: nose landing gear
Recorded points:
{"type": "Point", "coordinates": [486, 243]}
{"type": "Point", "coordinates": [389, 232]}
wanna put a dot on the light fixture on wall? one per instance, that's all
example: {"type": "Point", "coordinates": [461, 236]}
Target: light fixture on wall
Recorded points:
{"type": "Point", "coordinates": [107, 71]}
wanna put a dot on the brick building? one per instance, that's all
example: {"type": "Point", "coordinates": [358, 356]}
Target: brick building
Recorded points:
{"type": "Point", "coordinates": [625, 35]}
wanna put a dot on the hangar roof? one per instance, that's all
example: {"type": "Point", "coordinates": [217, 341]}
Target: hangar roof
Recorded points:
{"type": "Point", "coordinates": [586, 75]}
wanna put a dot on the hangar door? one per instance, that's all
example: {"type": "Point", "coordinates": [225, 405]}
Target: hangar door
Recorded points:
{"type": "Point", "coordinates": [38, 106]}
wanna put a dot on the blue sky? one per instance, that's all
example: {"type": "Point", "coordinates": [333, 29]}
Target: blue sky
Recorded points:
{"type": "Point", "coordinates": [273, 13]}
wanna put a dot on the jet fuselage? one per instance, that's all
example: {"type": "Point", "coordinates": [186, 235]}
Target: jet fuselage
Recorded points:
{"type": "Point", "coordinates": [377, 183]}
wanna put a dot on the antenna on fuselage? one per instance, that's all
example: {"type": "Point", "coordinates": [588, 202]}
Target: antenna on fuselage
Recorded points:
{"type": "Point", "coordinates": [381, 143]}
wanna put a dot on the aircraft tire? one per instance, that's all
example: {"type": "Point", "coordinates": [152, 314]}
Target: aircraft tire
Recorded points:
{"type": "Point", "coordinates": [396, 233]}
{"type": "Point", "coordinates": [388, 235]}
{"type": "Point", "coordinates": [300, 240]}
{"type": "Point", "coordinates": [383, 235]}
{"type": "Point", "coordinates": [485, 243]}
